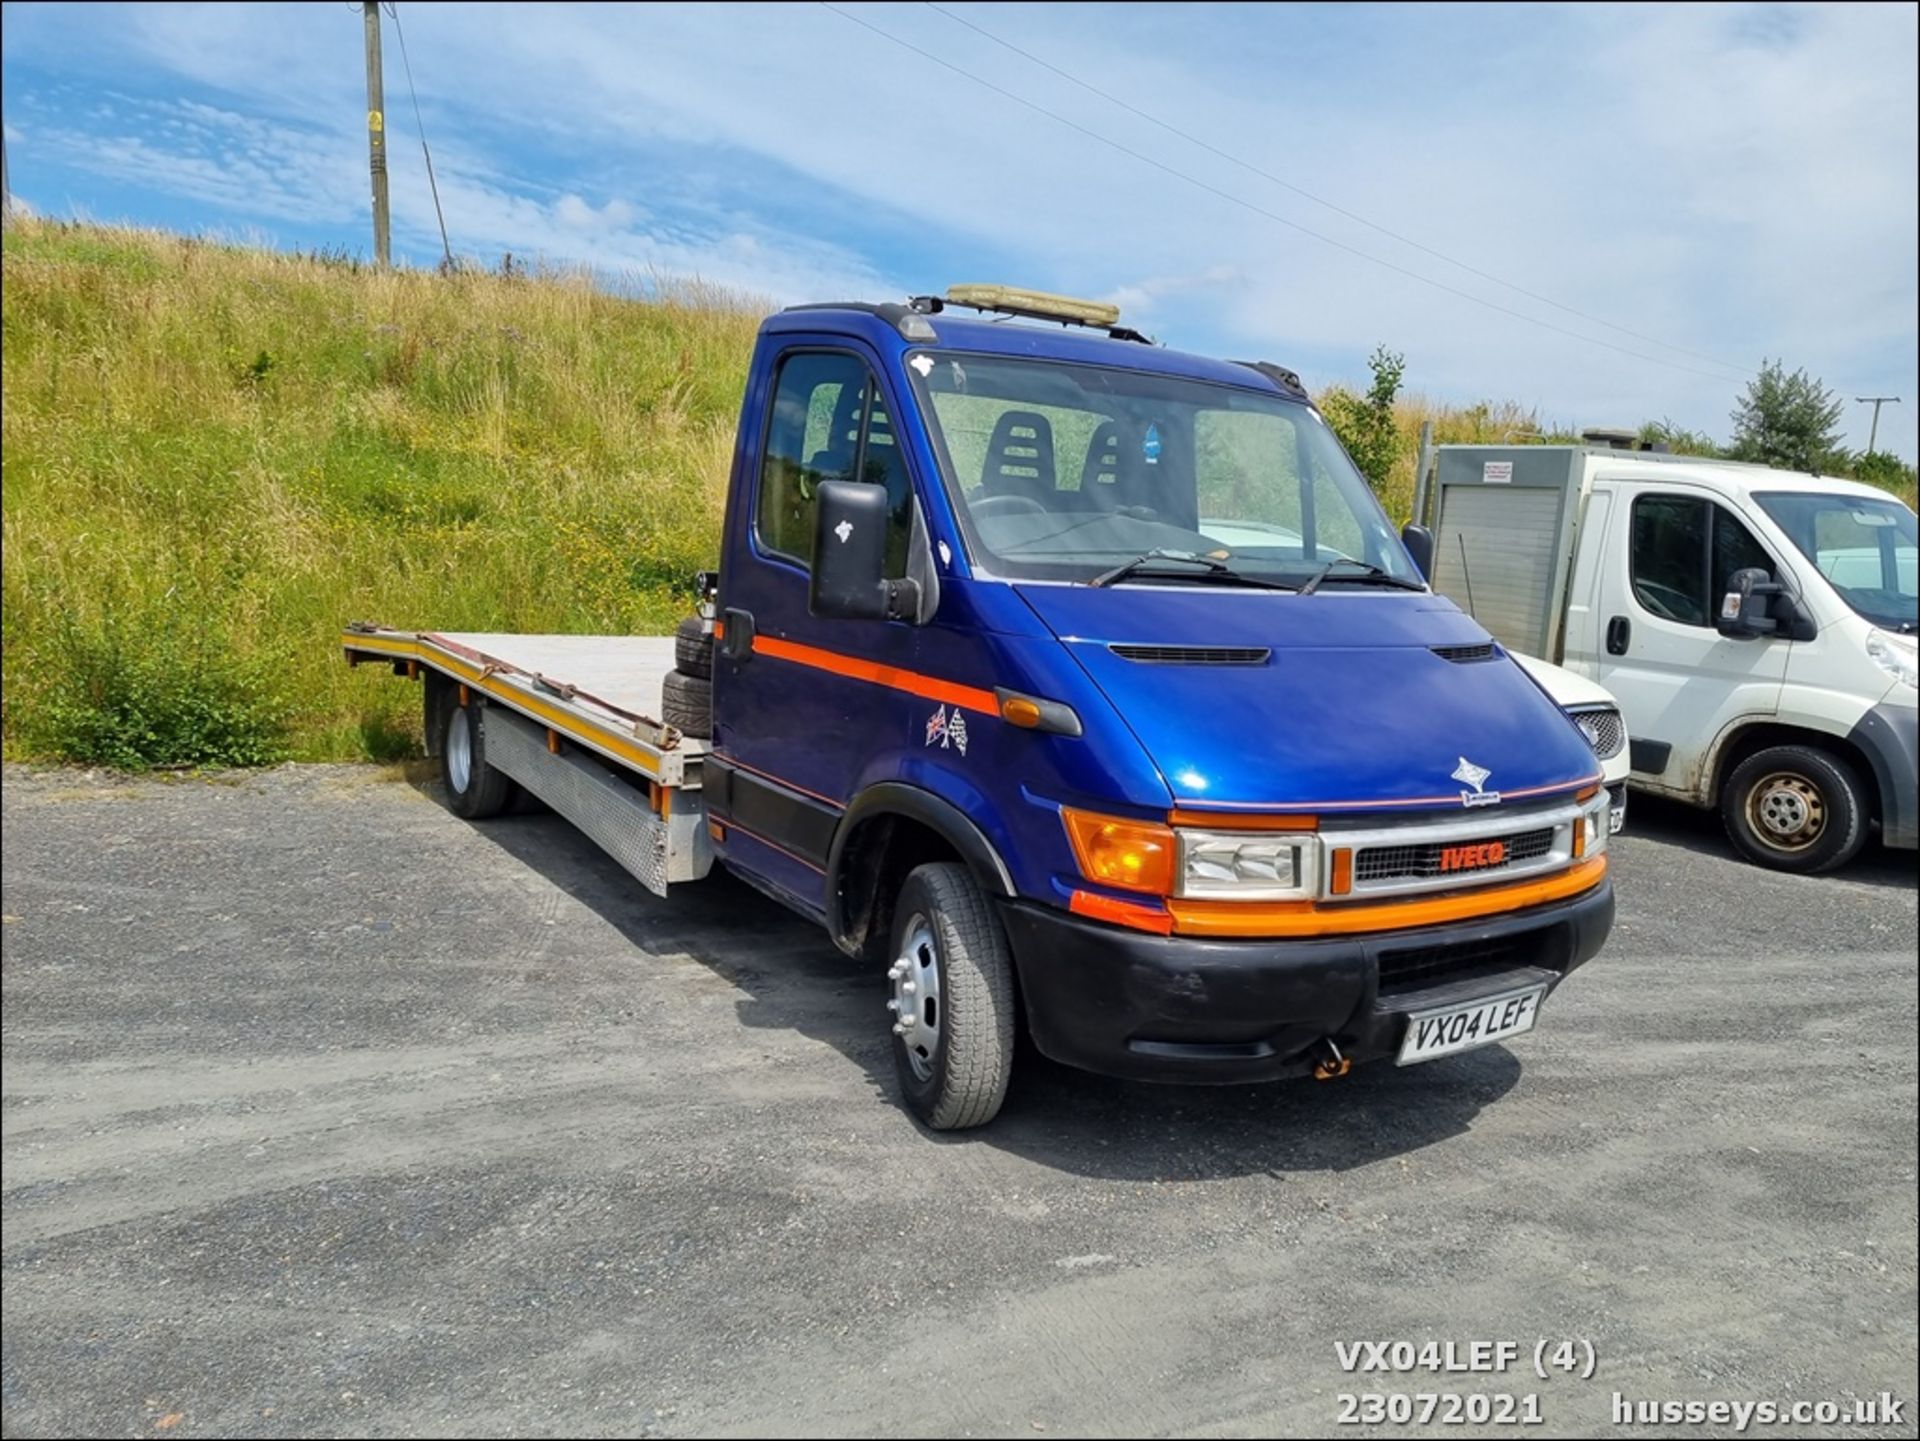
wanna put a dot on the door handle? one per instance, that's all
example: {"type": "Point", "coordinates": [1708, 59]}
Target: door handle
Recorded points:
{"type": "Point", "coordinates": [1619, 635]}
{"type": "Point", "coordinates": [737, 643]}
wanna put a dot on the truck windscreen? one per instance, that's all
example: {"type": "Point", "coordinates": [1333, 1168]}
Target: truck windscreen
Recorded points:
{"type": "Point", "coordinates": [1865, 548]}
{"type": "Point", "coordinates": [1062, 472]}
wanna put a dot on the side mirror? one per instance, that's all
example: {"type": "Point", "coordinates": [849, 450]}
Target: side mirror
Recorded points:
{"type": "Point", "coordinates": [1419, 543]}
{"type": "Point", "coordinates": [850, 557]}
{"type": "Point", "coordinates": [1746, 610]}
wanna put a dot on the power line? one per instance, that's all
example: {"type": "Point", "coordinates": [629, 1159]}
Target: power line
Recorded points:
{"type": "Point", "coordinates": [1248, 205]}
{"type": "Point", "coordinates": [1267, 175]}
{"type": "Point", "coordinates": [446, 250]}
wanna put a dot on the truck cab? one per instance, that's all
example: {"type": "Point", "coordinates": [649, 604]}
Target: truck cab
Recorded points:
{"type": "Point", "coordinates": [1083, 684]}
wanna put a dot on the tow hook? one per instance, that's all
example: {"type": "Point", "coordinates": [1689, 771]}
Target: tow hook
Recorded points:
{"type": "Point", "coordinates": [1332, 1065]}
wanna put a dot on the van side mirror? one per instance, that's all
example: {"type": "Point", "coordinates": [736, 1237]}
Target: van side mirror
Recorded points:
{"type": "Point", "coordinates": [1419, 543]}
{"type": "Point", "coordinates": [1746, 610]}
{"type": "Point", "coordinates": [850, 557]}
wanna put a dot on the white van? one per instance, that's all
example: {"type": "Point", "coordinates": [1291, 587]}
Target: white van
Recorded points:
{"type": "Point", "coordinates": [1756, 626]}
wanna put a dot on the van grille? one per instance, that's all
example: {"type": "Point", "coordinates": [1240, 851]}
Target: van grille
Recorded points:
{"type": "Point", "coordinates": [1604, 730]}
{"type": "Point", "coordinates": [1426, 862]}
{"type": "Point", "coordinates": [1193, 654]}
{"type": "Point", "coordinates": [1464, 654]}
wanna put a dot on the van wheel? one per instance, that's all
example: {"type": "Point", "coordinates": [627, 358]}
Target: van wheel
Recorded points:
{"type": "Point", "coordinates": [475, 789]}
{"type": "Point", "coordinates": [693, 648]}
{"type": "Point", "coordinates": [953, 1005]}
{"type": "Point", "coordinates": [686, 704]}
{"type": "Point", "coordinates": [1795, 808]}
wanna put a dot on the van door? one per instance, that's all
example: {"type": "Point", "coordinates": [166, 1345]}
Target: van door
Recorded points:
{"type": "Point", "coordinates": [795, 724]}
{"type": "Point", "coordinates": [1670, 551]}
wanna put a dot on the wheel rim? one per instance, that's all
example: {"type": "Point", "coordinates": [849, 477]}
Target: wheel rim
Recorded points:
{"type": "Point", "coordinates": [1787, 811]}
{"type": "Point", "coordinates": [460, 750]}
{"type": "Point", "coordinates": [916, 997]}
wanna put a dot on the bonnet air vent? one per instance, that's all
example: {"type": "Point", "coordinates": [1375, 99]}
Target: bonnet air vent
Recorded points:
{"type": "Point", "coordinates": [1193, 654]}
{"type": "Point", "coordinates": [1465, 654]}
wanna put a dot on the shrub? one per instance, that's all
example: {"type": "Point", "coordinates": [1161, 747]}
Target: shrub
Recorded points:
{"type": "Point", "coordinates": [153, 697]}
{"type": "Point", "coordinates": [1365, 423]}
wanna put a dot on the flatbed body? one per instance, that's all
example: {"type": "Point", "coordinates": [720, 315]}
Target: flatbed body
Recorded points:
{"type": "Point", "coordinates": [600, 691]}
{"type": "Point", "coordinates": [574, 720]}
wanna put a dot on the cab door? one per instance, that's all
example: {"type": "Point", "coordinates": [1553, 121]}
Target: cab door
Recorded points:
{"type": "Point", "coordinates": [1669, 553]}
{"type": "Point", "coordinates": [795, 724]}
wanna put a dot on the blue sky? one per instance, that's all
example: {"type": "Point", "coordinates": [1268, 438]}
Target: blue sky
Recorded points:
{"type": "Point", "coordinates": [1716, 184]}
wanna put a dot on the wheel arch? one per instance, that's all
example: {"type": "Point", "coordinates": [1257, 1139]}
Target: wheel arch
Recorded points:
{"type": "Point", "coordinates": [889, 829]}
{"type": "Point", "coordinates": [1741, 741]}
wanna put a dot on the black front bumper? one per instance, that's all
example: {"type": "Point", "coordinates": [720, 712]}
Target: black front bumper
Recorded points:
{"type": "Point", "coordinates": [1171, 1008]}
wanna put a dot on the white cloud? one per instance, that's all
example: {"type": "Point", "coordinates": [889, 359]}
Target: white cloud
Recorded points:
{"type": "Point", "coordinates": [1734, 180]}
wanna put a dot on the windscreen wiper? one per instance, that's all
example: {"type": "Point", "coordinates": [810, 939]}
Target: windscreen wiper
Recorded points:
{"type": "Point", "coordinates": [1155, 562]}
{"type": "Point", "coordinates": [1366, 574]}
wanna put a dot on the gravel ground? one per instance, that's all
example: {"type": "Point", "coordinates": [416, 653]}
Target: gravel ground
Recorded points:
{"type": "Point", "coordinates": [328, 1112]}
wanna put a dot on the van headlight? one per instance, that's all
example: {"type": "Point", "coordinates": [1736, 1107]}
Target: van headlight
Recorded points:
{"type": "Point", "coordinates": [1604, 730]}
{"type": "Point", "coordinates": [1249, 865]}
{"type": "Point", "coordinates": [1594, 824]}
{"type": "Point", "coordinates": [1891, 656]}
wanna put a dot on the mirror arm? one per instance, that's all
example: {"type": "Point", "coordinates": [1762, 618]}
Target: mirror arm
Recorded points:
{"type": "Point", "coordinates": [903, 599]}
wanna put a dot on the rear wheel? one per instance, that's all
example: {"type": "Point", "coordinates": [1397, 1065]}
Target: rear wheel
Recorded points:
{"type": "Point", "coordinates": [475, 789]}
{"type": "Point", "coordinates": [693, 648]}
{"type": "Point", "coordinates": [1795, 808]}
{"type": "Point", "coordinates": [953, 1000]}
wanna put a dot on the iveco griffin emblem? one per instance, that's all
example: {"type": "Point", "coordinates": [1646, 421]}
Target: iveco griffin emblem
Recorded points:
{"type": "Point", "coordinates": [1467, 773]}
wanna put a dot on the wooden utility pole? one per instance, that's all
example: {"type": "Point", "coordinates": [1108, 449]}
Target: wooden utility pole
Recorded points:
{"type": "Point", "coordinates": [377, 136]}
{"type": "Point", "coordinates": [1876, 401]}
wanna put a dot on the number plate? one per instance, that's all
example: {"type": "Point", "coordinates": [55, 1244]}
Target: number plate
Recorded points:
{"type": "Point", "coordinates": [1477, 1023]}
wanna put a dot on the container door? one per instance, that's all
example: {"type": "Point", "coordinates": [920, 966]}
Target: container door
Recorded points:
{"type": "Point", "coordinates": [1678, 680]}
{"type": "Point", "coordinates": [793, 717]}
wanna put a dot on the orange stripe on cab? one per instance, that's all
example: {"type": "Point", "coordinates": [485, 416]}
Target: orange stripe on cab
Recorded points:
{"type": "Point", "coordinates": [1121, 913]}
{"type": "Point", "coordinates": [874, 673]}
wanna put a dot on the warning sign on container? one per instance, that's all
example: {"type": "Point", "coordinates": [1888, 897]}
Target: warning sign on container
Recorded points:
{"type": "Point", "coordinates": [1497, 472]}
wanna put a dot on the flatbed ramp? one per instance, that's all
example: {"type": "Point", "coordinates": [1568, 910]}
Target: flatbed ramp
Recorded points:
{"type": "Point", "coordinates": [572, 719]}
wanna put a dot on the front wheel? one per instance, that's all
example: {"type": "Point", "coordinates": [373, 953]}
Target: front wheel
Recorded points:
{"type": "Point", "coordinates": [1795, 808]}
{"type": "Point", "coordinates": [953, 1000]}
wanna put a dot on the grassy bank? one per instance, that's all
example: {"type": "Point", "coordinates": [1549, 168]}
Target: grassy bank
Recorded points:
{"type": "Point", "coordinates": [214, 457]}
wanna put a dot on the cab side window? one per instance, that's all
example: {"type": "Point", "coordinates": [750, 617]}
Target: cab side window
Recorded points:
{"type": "Point", "coordinates": [828, 423]}
{"type": "Point", "coordinates": [1684, 552]}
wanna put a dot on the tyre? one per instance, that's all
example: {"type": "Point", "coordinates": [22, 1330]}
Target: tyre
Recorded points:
{"type": "Point", "coordinates": [1795, 808]}
{"type": "Point", "coordinates": [686, 703]}
{"type": "Point", "coordinates": [475, 789]}
{"type": "Point", "coordinates": [953, 1001]}
{"type": "Point", "coordinates": [693, 648]}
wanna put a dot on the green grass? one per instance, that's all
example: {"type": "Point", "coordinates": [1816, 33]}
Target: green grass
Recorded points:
{"type": "Point", "coordinates": [214, 457]}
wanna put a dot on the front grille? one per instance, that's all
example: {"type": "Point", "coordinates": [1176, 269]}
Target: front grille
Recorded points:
{"type": "Point", "coordinates": [1193, 654]}
{"type": "Point", "coordinates": [1464, 654]}
{"type": "Point", "coordinates": [1417, 970]}
{"type": "Point", "coordinates": [1426, 862]}
{"type": "Point", "coordinates": [1604, 730]}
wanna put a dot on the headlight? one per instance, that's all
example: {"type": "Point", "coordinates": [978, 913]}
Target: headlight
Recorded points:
{"type": "Point", "coordinates": [1249, 865]}
{"type": "Point", "coordinates": [1595, 826]}
{"type": "Point", "coordinates": [1891, 656]}
{"type": "Point", "coordinates": [1604, 730]}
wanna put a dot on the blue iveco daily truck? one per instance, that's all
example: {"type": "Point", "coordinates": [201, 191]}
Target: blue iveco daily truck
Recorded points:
{"type": "Point", "coordinates": [1072, 683]}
